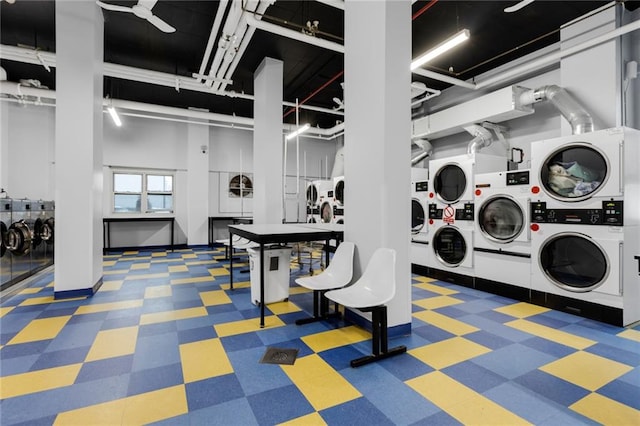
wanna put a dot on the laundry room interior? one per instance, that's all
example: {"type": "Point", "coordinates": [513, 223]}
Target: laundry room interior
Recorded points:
{"type": "Point", "coordinates": [519, 183]}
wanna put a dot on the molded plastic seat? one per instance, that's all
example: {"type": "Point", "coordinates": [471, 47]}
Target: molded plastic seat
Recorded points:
{"type": "Point", "coordinates": [370, 293]}
{"type": "Point", "coordinates": [337, 275]}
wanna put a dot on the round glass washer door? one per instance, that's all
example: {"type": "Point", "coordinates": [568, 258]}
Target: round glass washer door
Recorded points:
{"type": "Point", "coordinates": [501, 219]}
{"type": "Point", "coordinates": [326, 213]}
{"type": "Point", "coordinates": [449, 246]}
{"type": "Point", "coordinates": [339, 192]}
{"type": "Point", "coordinates": [417, 216]}
{"type": "Point", "coordinates": [449, 183]}
{"type": "Point", "coordinates": [574, 262]}
{"type": "Point", "coordinates": [575, 172]}
{"type": "Point", "coordinates": [312, 195]}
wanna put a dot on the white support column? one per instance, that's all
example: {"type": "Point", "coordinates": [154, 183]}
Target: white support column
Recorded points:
{"type": "Point", "coordinates": [78, 150]}
{"type": "Point", "coordinates": [4, 146]}
{"type": "Point", "coordinates": [268, 143]}
{"type": "Point", "coordinates": [377, 154]}
{"type": "Point", "coordinates": [198, 183]}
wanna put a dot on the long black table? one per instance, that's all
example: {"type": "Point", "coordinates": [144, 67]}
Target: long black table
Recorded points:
{"type": "Point", "coordinates": [107, 221]}
{"type": "Point", "coordinates": [233, 219]}
{"type": "Point", "coordinates": [281, 234]}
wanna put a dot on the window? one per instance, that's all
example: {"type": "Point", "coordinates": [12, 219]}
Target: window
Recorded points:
{"type": "Point", "coordinates": [142, 192]}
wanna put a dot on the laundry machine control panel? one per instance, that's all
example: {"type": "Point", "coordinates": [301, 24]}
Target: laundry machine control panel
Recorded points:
{"type": "Point", "coordinates": [610, 214]}
{"type": "Point", "coordinates": [422, 186]}
{"type": "Point", "coordinates": [518, 178]}
{"type": "Point", "coordinates": [464, 213]}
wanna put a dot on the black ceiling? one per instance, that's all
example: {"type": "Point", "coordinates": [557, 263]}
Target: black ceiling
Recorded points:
{"type": "Point", "coordinates": [496, 38]}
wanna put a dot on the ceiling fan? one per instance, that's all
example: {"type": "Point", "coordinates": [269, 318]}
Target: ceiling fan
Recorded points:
{"type": "Point", "coordinates": [141, 10]}
{"type": "Point", "coordinates": [518, 6]}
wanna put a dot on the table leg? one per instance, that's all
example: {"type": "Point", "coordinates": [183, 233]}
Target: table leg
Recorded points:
{"type": "Point", "coordinates": [231, 260]}
{"type": "Point", "coordinates": [261, 285]}
{"type": "Point", "coordinates": [173, 222]}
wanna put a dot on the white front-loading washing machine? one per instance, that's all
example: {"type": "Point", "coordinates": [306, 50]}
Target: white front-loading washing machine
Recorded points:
{"type": "Point", "coordinates": [502, 248]}
{"type": "Point", "coordinates": [338, 199]}
{"type": "Point", "coordinates": [577, 260]}
{"type": "Point", "coordinates": [451, 244]}
{"type": "Point", "coordinates": [582, 170]}
{"type": "Point", "coordinates": [314, 192]}
{"type": "Point", "coordinates": [419, 250]}
{"type": "Point", "coordinates": [451, 180]}
{"type": "Point", "coordinates": [5, 254]}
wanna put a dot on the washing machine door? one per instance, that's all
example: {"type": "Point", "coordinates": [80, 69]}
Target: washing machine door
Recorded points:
{"type": "Point", "coordinates": [339, 192]}
{"type": "Point", "coordinates": [3, 235]}
{"type": "Point", "coordinates": [450, 246]}
{"type": "Point", "coordinates": [326, 212]}
{"type": "Point", "coordinates": [418, 216]}
{"type": "Point", "coordinates": [312, 195]}
{"type": "Point", "coordinates": [574, 172]}
{"type": "Point", "coordinates": [501, 219]}
{"type": "Point", "coordinates": [19, 238]}
{"type": "Point", "coordinates": [574, 262]}
{"type": "Point", "coordinates": [450, 183]}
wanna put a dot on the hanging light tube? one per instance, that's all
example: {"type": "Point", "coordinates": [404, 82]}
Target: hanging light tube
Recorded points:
{"type": "Point", "coordinates": [446, 45]}
{"type": "Point", "coordinates": [114, 116]}
{"type": "Point", "coordinates": [300, 131]}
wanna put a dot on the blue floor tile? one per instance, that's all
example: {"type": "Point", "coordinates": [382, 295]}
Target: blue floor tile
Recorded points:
{"type": "Point", "coordinates": [359, 412]}
{"type": "Point", "coordinates": [279, 405]}
{"type": "Point", "coordinates": [474, 376]}
{"type": "Point", "coordinates": [551, 387]}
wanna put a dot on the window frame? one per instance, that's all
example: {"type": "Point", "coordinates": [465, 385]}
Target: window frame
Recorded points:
{"type": "Point", "coordinates": [145, 192]}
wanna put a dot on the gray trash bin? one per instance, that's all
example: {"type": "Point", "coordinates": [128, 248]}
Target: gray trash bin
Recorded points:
{"type": "Point", "coordinates": [276, 273]}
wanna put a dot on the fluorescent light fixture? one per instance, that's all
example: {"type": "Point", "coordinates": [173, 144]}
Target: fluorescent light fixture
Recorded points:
{"type": "Point", "coordinates": [114, 116]}
{"type": "Point", "coordinates": [298, 132]}
{"type": "Point", "coordinates": [446, 45]}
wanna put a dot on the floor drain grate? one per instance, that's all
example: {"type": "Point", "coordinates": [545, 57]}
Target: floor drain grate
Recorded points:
{"type": "Point", "coordinates": [279, 356]}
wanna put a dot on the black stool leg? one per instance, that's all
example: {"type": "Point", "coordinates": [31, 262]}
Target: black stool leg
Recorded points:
{"type": "Point", "coordinates": [380, 338]}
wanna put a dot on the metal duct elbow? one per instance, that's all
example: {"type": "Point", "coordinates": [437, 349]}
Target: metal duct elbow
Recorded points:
{"type": "Point", "coordinates": [426, 151]}
{"type": "Point", "coordinates": [482, 138]}
{"type": "Point", "coordinates": [579, 119]}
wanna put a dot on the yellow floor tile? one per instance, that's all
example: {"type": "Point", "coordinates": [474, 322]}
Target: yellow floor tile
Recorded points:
{"type": "Point", "coordinates": [38, 381]}
{"type": "Point", "coordinates": [159, 254]}
{"type": "Point", "coordinates": [146, 276]}
{"type": "Point", "coordinates": [111, 285]}
{"type": "Point", "coordinates": [446, 323]}
{"type": "Point", "coordinates": [247, 326]}
{"type": "Point", "coordinates": [424, 279]}
{"type": "Point", "coordinates": [191, 280]}
{"type": "Point", "coordinates": [204, 359]}
{"type": "Point", "coordinates": [130, 253]}
{"type": "Point", "coordinates": [437, 302]}
{"type": "Point", "coordinates": [313, 419]}
{"type": "Point", "coordinates": [113, 343]}
{"type": "Point", "coordinates": [107, 307]}
{"type": "Point", "coordinates": [157, 291]}
{"type": "Point", "coordinates": [178, 268]}
{"type": "Point", "coordinates": [606, 411]}
{"type": "Point", "coordinates": [630, 334]}
{"type": "Point", "coordinates": [320, 383]}
{"type": "Point", "coordinates": [436, 289]}
{"type": "Point", "coordinates": [240, 284]}
{"type": "Point", "coordinates": [116, 272]}
{"type": "Point", "coordinates": [179, 314]}
{"type": "Point", "coordinates": [461, 402]}
{"type": "Point", "coordinates": [215, 272]}
{"type": "Point", "coordinates": [448, 352]}
{"type": "Point", "coordinates": [201, 262]}
{"type": "Point", "coordinates": [214, 297]}
{"type": "Point", "coordinates": [108, 263]}
{"type": "Point", "coordinates": [299, 290]}
{"type": "Point", "coordinates": [335, 338]}
{"type": "Point", "coordinates": [189, 256]}
{"type": "Point", "coordinates": [34, 290]}
{"type": "Point", "coordinates": [552, 334]}
{"type": "Point", "coordinates": [521, 310]}
{"type": "Point", "coordinates": [5, 311]}
{"type": "Point", "coordinates": [587, 370]}
{"type": "Point", "coordinates": [134, 410]}
{"type": "Point", "coordinates": [40, 329]}
{"type": "Point", "coordinates": [138, 266]}
{"type": "Point", "coordinates": [279, 308]}
{"type": "Point", "coordinates": [38, 301]}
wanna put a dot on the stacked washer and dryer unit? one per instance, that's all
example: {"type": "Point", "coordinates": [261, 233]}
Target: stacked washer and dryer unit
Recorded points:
{"type": "Point", "coordinates": [585, 214]}
{"type": "Point", "coordinates": [26, 235]}
{"type": "Point", "coordinates": [338, 199]}
{"type": "Point", "coordinates": [316, 194]}
{"type": "Point", "coordinates": [452, 214]}
{"type": "Point", "coordinates": [419, 250]}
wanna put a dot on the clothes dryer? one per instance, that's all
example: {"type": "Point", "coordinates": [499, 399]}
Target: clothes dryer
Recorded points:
{"type": "Point", "coordinates": [38, 249]}
{"type": "Point", "coordinates": [338, 199]}
{"type": "Point", "coordinates": [47, 232]}
{"type": "Point", "coordinates": [419, 221]}
{"type": "Point", "coordinates": [313, 193]}
{"type": "Point", "coordinates": [502, 248]}
{"type": "Point", "coordinates": [579, 171]}
{"type": "Point", "coordinates": [19, 237]}
{"type": "Point", "coordinates": [326, 206]}
{"type": "Point", "coordinates": [577, 260]}
{"type": "Point", "coordinates": [5, 254]}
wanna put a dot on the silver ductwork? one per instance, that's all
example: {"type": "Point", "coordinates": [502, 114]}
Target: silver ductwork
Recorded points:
{"type": "Point", "coordinates": [579, 119]}
{"type": "Point", "coordinates": [425, 149]}
{"type": "Point", "coordinates": [481, 138]}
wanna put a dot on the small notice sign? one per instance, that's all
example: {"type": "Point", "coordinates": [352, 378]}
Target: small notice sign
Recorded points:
{"type": "Point", "coordinates": [448, 215]}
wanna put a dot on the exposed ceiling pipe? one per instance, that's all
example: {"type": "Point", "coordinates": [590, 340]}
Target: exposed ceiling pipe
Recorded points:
{"type": "Point", "coordinates": [285, 32]}
{"type": "Point", "coordinates": [481, 138]}
{"type": "Point", "coordinates": [580, 120]}
{"type": "Point", "coordinates": [423, 9]}
{"type": "Point", "coordinates": [532, 65]}
{"type": "Point", "coordinates": [222, 6]}
{"type": "Point", "coordinates": [227, 70]}
{"type": "Point", "coordinates": [426, 149]}
{"type": "Point", "coordinates": [328, 82]}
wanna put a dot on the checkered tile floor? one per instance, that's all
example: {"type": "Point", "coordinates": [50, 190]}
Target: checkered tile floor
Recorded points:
{"type": "Point", "coordinates": [165, 341]}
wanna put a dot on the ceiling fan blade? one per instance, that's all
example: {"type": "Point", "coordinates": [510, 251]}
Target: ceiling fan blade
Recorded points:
{"type": "Point", "coordinates": [147, 3]}
{"type": "Point", "coordinates": [160, 24]}
{"type": "Point", "coordinates": [114, 7]}
{"type": "Point", "coordinates": [518, 6]}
